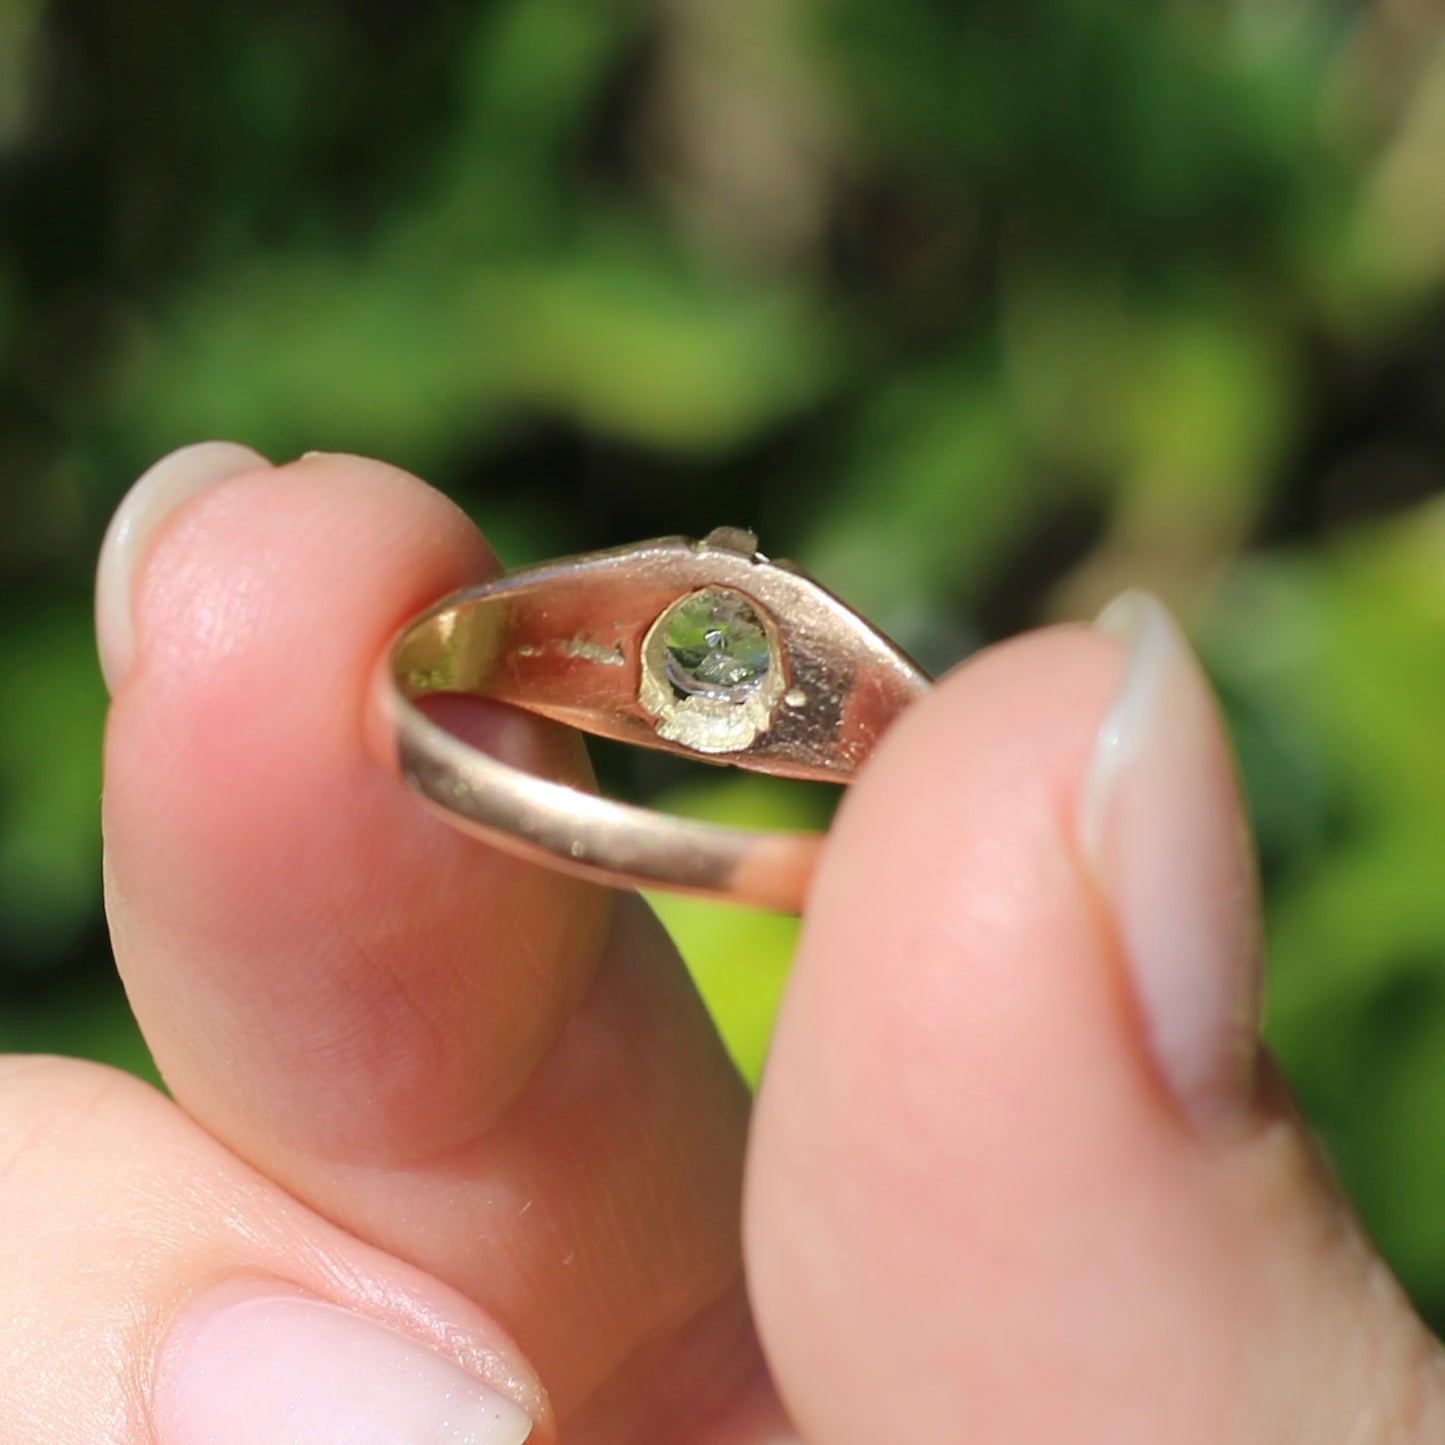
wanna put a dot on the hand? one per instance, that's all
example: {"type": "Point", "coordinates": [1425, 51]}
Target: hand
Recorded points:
{"type": "Point", "coordinates": [455, 1153]}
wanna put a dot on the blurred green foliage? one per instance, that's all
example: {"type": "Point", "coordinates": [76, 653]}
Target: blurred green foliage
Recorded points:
{"type": "Point", "coordinates": [980, 311]}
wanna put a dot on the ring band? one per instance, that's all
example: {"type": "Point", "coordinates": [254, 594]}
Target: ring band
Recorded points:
{"type": "Point", "coordinates": [705, 649]}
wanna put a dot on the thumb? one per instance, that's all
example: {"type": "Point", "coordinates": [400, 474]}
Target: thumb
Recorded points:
{"type": "Point", "coordinates": [1019, 1173]}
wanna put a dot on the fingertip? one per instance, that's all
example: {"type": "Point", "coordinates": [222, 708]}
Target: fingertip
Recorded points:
{"type": "Point", "coordinates": [958, 1137]}
{"type": "Point", "coordinates": [978, 1162]}
{"type": "Point", "coordinates": [130, 1236]}
{"type": "Point", "coordinates": [145, 508]}
{"type": "Point", "coordinates": [307, 567]}
{"type": "Point", "coordinates": [267, 880]}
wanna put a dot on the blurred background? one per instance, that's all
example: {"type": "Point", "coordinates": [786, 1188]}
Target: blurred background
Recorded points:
{"type": "Point", "coordinates": [981, 311]}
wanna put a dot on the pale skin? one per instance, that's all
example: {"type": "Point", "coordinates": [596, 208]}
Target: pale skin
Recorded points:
{"type": "Point", "coordinates": [480, 1101]}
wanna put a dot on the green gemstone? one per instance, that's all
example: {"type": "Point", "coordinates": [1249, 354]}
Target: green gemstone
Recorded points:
{"type": "Point", "coordinates": [716, 646]}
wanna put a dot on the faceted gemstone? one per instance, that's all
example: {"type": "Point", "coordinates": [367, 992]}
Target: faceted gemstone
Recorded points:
{"type": "Point", "coordinates": [716, 646]}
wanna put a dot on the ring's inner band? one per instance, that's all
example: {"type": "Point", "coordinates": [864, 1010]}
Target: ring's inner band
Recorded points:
{"type": "Point", "coordinates": [579, 642]}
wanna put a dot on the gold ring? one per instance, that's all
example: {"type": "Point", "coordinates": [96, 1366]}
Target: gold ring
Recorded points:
{"type": "Point", "coordinates": [707, 649]}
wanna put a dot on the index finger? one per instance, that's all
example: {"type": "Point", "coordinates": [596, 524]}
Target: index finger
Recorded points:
{"type": "Point", "coordinates": [487, 1068]}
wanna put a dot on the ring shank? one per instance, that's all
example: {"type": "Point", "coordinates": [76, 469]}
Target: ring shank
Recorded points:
{"type": "Point", "coordinates": [593, 837]}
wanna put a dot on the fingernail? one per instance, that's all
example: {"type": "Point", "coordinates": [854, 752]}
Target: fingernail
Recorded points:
{"type": "Point", "coordinates": [145, 507]}
{"type": "Point", "coordinates": [1164, 830]}
{"type": "Point", "coordinates": [260, 1364]}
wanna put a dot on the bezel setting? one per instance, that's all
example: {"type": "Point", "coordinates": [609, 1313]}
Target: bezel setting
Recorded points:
{"type": "Point", "coordinates": [710, 720]}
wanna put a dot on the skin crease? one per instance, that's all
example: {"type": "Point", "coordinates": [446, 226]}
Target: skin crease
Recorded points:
{"type": "Point", "coordinates": [482, 1101]}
